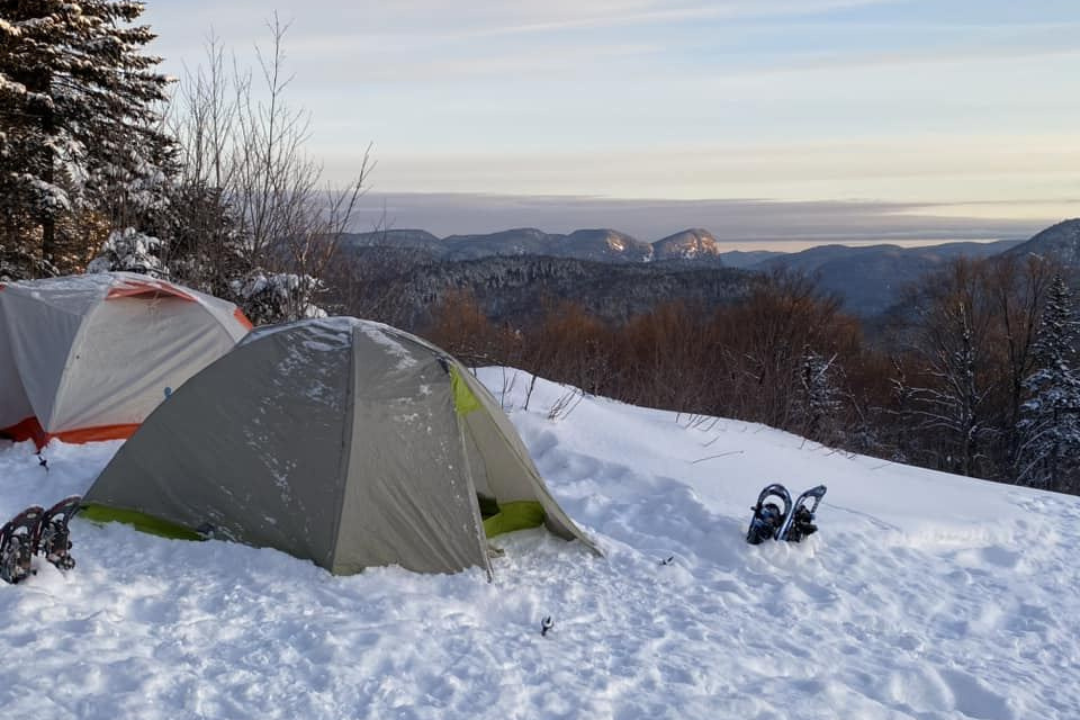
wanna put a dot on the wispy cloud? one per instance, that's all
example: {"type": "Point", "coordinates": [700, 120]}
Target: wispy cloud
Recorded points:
{"type": "Point", "coordinates": [558, 17]}
{"type": "Point", "coordinates": [1041, 41]}
{"type": "Point", "coordinates": [550, 62]}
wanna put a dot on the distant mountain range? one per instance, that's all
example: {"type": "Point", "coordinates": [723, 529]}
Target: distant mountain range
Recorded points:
{"type": "Point", "coordinates": [601, 245]}
{"type": "Point", "coordinates": [868, 278]}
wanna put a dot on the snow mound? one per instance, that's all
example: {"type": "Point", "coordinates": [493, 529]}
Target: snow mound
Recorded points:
{"type": "Point", "coordinates": [924, 596]}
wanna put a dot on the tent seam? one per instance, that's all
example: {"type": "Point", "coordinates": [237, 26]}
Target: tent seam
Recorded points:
{"type": "Point", "coordinates": [478, 521]}
{"type": "Point", "coordinates": [65, 377]}
{"type": "Point", "coordinates": [221, 322]}
{"type": "Point", "coordinates": [346, 443]}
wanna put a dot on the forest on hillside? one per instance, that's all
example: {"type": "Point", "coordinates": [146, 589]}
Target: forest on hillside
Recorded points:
{"type": "Point", "coordinates": [974, 373]}
{"type": "Point", "coordinates": [105, 164]}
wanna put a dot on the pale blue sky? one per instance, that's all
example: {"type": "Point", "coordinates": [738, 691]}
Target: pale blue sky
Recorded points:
{"type": "Point", "coordinates": [960, 109]}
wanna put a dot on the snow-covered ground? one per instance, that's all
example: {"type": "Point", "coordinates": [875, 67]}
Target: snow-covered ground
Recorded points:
{"type": "Point", "coordinates": [924, 596]}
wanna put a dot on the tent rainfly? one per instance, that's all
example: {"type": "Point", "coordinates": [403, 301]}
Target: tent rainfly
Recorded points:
{"type": "Point", "coordinates": [338, 440]}
{"type": "Point", "coordinates": [88, 357]}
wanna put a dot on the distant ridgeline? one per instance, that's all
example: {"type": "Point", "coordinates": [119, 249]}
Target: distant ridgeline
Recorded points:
{"type": "Point", "coordinates": [514, 273]}
{"type": "Point", "coordinates": [601, 245]}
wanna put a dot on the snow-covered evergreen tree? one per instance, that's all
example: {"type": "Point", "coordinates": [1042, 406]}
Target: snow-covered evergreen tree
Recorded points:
{"type": "Point", "coordinates": [1050, 419]}
{"type": "Point", "coordinates": [78, 125]}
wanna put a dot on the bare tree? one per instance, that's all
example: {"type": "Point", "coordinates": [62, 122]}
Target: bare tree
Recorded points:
{"type": "Point", "coordinates": [252, 218]}
{"type": "Point", "coordinates": [289, 223]}
{"type": "Point", "coordinates": [1016, 290]}
{"type": "Point", "coordinates": [950, 337]}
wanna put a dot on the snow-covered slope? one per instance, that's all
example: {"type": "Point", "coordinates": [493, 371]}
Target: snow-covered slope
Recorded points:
{"type": "Point", "coordinates": [924, 596]}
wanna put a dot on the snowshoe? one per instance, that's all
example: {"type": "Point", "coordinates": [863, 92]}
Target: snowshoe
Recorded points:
{"type": "Point", "coordinates": [17, 541]}
{"type": "Point", "coordinates": [769, 517]}
{"type": "Point", "coordinates": [800, 522]}
{"type": "Point", "coordinates": [54, 538]}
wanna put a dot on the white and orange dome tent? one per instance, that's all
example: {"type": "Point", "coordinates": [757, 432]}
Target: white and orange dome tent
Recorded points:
{"type": "Point", "coordinates": [88, 357]}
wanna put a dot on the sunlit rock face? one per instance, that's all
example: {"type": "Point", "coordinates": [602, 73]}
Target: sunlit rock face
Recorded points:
{"type": "Point", "coordinates": [689, 244]}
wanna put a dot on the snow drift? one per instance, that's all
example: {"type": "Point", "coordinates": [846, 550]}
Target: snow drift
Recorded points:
{"type": "Point", "coordinates": [924, 595]}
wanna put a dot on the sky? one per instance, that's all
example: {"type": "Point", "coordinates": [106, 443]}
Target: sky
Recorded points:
{"type": "Point", "coordinates": [760, 120]}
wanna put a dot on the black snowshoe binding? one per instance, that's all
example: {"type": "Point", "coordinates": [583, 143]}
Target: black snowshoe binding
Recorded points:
{"type": "Point", "coordinates": [54, 537]}
{"type": "Point", "coordinates": [18, 539]}
{"type": "Point", "coordinates": [769, 516]}
{"type": "Point", "coordinates": [800, 523]}
{"type": "Point", "coordinates": [792, 522]}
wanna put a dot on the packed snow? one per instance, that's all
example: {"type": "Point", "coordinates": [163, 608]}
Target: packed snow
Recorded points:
{"type": "Point", "coordinates": [924, 595]}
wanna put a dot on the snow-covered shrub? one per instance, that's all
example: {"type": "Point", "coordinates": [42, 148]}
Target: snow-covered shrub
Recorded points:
{"type": "Point", "coordinates": [818, 400]}
{"type": "Point", "coordinates": [267, 297]}
{"type": "Point", "coordinates": [131, 251]}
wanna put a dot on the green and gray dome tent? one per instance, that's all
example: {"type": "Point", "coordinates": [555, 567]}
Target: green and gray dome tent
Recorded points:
{"type": "Point", "coordinates": [340, 440]}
